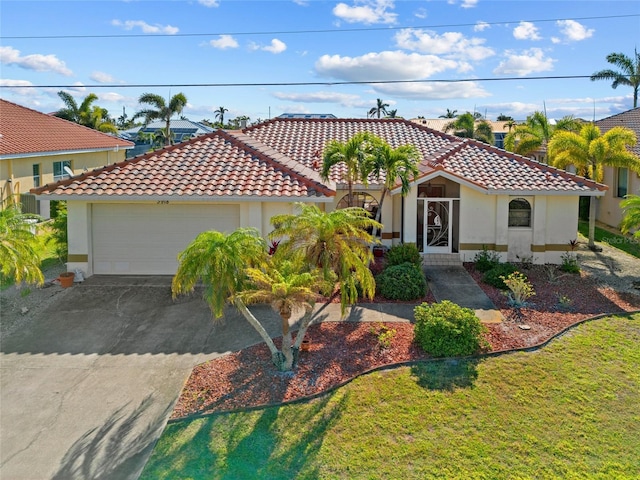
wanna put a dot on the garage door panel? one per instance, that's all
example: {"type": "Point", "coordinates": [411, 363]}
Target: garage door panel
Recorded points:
{"type": "Point", "coordinates": [146, 239]}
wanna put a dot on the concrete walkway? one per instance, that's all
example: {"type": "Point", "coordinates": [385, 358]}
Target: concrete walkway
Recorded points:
{"type": "Point", "coordinates": [453, 283]}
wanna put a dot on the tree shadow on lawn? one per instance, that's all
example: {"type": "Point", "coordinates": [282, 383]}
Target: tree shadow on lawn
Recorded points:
{"type": "Point", "coordinates": [257, 444]}
{"type": "Point", "coordinates": [447, 374]}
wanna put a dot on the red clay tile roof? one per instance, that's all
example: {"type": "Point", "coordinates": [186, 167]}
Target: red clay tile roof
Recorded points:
{"type": "Point", "coordinates": [629, 119]}
{"type": "Point", "coordinates": [281, 157]}
{"type": "Point", "coordinates": [212, 165]}
{"type": "Point", "coordinates": [26, 131]}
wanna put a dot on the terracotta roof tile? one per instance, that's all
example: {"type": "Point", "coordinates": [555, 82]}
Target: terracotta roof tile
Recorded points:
{"type": "Point", "coordinates": [629, 119]}
{"type": "Point", "coordinates": [26, 131]}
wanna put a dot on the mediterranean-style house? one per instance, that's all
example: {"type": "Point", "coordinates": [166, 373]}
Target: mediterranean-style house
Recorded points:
{"type": "Point", "coordinates": [135, 216]}
{"type": "Point", "coordinates": [621, 180]}
{"type": "Point", "coordinates": [35, 148]}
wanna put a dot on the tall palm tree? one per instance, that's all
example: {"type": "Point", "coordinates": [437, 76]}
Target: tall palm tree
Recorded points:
{"type": "Point", "coordinates": [590, 152]}
{"type": "Point", "coordinates": [220, 114]}
{"type": "Point", "coordinates": [19, 249]}
{"type": "Point", "coordinates": [628, 73]}
{"type": "Point", "coordinates": [465, 126]}
{"type": "Point", "coordinates": [162, 110]}
{"type": "Point", "coordinates": [398, 164]}
{"type": "Point", "coordinates": [450, 114]}
{"type": "Point", "coordinates": [336, 242]}
{"type": "Point", "coordinates": [354, 154]}
{"type": "Point", "coordinates": [631, 219]}
{"type": "Point", "coordinates": [531, 136]}
{"type": "Point", "coordinates": [379, 109]}
{"type": "Point", "coordinates": [86, 113]}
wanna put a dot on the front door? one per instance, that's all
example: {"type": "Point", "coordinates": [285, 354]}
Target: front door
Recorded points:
{"type": "Point", "coordinates": [437, 225]}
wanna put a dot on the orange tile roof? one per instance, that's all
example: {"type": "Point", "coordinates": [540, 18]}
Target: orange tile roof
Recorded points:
{"type": "Point", "coordinates": [26, 131]}
{"type": "Point", "coordinates": [629, 119]}
{"type": "Point", "coordinates": [281, 158]}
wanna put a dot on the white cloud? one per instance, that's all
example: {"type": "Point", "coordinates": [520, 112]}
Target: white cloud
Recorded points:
{"type": "Point", "coordinates": [345, 99]}
{"type": "Point", "coordinates": [453, 44]}
{"type": "Point", "coordinates": [529, 61]}
{"type": "Point", "coordinates": [145, 27]}
{"type": "Point", "coordinates": [102, 77]}
{"type": "Point", "coordinates": [574, 31]}
{"type": "Point", "coordinates": [421, 13]}
{"type": "Point", "coordinates": [382, 66]}
{"type": "Point", "coordinates": [464, 3]}
{"type": "Point", "coordinates": [209, 3]}
{"type": "Point", "coordinates": [481, 26]}
{"type": "Point", "coordinates": [276, 46]}
{"type": "Point", "coordinates": [366, 11]}
{"type": "Point", "coordinates": [526, 31]}
{"type": "Point", "coordinates": [36, 61]}
{"type": "Point", "coordinates": [224, 42]}
{"type": "Point", "coordinates": [18, 86]}
{"type": "Point", "coordinates": [114, 97]}
{"type": "Point", "coordinates": [431, 90]}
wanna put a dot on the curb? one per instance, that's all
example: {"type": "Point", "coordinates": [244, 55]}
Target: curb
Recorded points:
{"type": "Point", "coordinates": [392, 366]}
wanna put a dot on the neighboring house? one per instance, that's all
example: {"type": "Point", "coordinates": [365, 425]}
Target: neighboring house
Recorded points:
{"type": "Point", "coordinates": [136, 216]}
{"type": "Point", "coordinates": [308, 115]}
{"type": "Point", "coordinates": [35, 148]}
{"type": "Point", "coordinates": [181, 130]}
{"type": "Point", "coordinates": [500, 129]}
{"type": "Point", "coordinates": [620, 180]}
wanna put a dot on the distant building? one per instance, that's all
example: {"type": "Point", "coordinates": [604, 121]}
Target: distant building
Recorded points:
{"type": "Point", "coordinates": [307, 116]}
{"type": "Point", "coordinates": [500, 129]}
{"type": "Point", "coordinates": [180, 129]}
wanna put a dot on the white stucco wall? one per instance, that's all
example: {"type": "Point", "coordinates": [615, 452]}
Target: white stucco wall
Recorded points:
{"type": "Point", "coordinates": [609, 211]}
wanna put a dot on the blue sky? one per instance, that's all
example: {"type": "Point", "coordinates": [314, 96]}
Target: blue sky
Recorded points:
{"type": "Point", "coordinates": [110, 48]}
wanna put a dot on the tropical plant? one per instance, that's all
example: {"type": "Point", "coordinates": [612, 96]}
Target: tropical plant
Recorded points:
{"type": "Point", "coordinates": [402, 282]}
{"type": "Point", "coordinates": [465, 126]}
{"type": "Point", "coordinates": [19, 253]}
{"type": "Point", "coordinates": [160, 110]}
{"type": "Point", "coordinates": [504, 118]}
{"type": "Point", "coordinates": [336, 242]}
{"type": "Point", "coordinates": [59, 235]}
{"type": "Point", "coordinates": [628, 73]}
{"type": "Point", "coordinates": [631, 219]}
{"type": "Point", "coordinates": [85, 114]}
{"type": "Point", "coordinates": [590, 152]}
{"type": "Point", "coordinates": [449, 114]}
{"type": "Point", "coordinates": [355, 153]}
{"type": "Point", "coordinates": [403, 253]}
{"type": "Point", "coordinates": [530, 136]}
{"type": "Point", "coordinates": [219, 114]}
{"type": "Point", "coordinates": [397, 164]}
{"type": "Point", "coordinates": [379, 109]}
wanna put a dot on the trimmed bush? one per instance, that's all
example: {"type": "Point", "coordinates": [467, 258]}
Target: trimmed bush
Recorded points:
{"type": "Point", "coordinates": [486, 260]}
{"type": "Point", "coordinates": [448, 330]}
{"type": "Point", "coordinates": [402, 282]}
{"type": "Point", "coordinates": [494, 276]}
{"type": "Point", "coordinates": [403, 253]}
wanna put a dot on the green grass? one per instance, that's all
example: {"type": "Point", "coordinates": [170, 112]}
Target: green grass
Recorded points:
{"type": "Point", "coordinates": [569, 410]}
{"type": "Point", "coordinates": [626, 244]}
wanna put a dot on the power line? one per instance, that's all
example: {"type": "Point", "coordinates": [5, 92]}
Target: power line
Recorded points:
{"type": "Point", "coordinates": [297, 32]}
{"type": "Point", "coordinates": [297, 84]}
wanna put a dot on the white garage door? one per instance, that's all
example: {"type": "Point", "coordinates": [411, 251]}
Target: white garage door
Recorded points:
{"type": "Point", "coordinates": [146, 239]}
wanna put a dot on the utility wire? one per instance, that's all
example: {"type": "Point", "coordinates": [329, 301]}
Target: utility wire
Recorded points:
{"type": "Point", "coordinates": [298, 32]}
{"type": "Point", "coordinates": [297, 84]}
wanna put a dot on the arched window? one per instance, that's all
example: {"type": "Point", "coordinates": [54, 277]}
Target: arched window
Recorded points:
{"type": "Point", "coordinates": [362, 200]}
{"type": "Point", "coordinates": [519, 213]}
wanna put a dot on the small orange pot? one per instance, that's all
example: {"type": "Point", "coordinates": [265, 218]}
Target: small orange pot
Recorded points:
{"type": "Point", "coordinates": [66, 279]}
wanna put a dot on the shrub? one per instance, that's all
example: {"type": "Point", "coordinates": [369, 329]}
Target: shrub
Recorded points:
{"type": "Point", "coordinates": [402, 282]}
{"type": "Point", "coordinates": [494, 277]}
{"type": "Point", "coordinates": [521, 289]}
{"type": "Point", "coordinates": [486, 260]}
{"type": "Point", "coordinates": [403, 253]}
{"type": "Point", "coordinates": [570, 263]}
{"type": "Point", "coordinates": [448, 330]}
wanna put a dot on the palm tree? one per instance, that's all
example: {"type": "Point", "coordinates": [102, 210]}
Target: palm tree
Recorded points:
{"type": "Point", "coordinates": [393, 113]}
{"type": "Point", "coordinates": [336, 242]}
{"type": "Point", "coordinates": [398, 164]}
{"type": "Point", "coordinates": [379, 109]}
{"type": "Point", "coordinates": [531, 136]}
{"type": "Point", "coordinates": [631, 219]}
{"type": "Point", "coordinates": [628, 73]}
{"type": "Point", "coordinates": [286, 288]}
{"type": "Point", "coordinates": [85, 114]}
{"type": "Point", "coordinates": [354, 153]}
{"type": "Point", "coordinates": [590, 152]}
{"type": "Point", "coordinates": [162, 110]}
{"type": "Point", "coordinates": [220, 115]}
{"type": "Point", "coordinates": [19, 250]}
{"type": "Point", "coordinates": [465, 126]}
{"type": "Point", "coordinates": [450, 114]}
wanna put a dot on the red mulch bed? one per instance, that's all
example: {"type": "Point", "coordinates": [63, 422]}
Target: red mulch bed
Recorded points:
{"type": "Point", "coordinates": [341, 351]}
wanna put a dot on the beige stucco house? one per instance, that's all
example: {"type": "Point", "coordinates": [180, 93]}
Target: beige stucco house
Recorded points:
{"type": "Point", "coordinates": [35, 148]}
{"type": "Point", "coordinates": [135, 216]}
{"type": "Point", "coordinates": [621, 181]}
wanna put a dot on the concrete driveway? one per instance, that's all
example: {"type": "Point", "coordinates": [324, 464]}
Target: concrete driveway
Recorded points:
{"type": "Point", "coordinates": [88, 385]}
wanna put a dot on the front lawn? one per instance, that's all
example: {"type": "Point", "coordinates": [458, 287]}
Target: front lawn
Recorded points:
{"type": "Point", "coordinates": [624, 243]}
{"type": "Point", "coordinates": [566, 411]}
